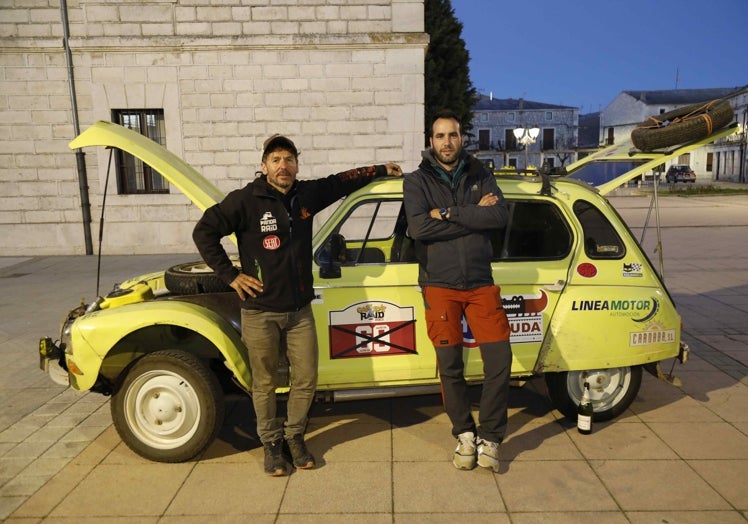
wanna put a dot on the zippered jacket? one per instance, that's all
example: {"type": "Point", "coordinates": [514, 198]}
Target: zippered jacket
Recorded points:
{"type": "Point", "coordinates": [274, 234]}
{"type": "Point", "coordinates": [454, 253]}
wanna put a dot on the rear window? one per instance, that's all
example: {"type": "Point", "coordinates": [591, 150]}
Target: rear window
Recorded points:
{"type": "Point", "coordinates": [536, 230]}
{"type": "Point", "coordinates": [600, 238]}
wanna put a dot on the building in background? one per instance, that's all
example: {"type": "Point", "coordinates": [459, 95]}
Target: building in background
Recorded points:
{"type": "Point", "coordinates": [723, 160]}
{"type": "Point", "coordinates": [493, 136]}
{"type": "Point", "coordinates": [208, 80]}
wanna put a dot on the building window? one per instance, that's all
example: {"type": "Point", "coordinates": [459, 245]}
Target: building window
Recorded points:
{"type": "Point", "coordinates": [484, 139]}
{"type": "Point", "coordinates": [510, 117]}
{"type": "Point", "coordinates": [549, 115]}
{"type": "Point", "coordinates": [133, 176]}
{"type": "Point", "coordinates": [510, 140]}
{"type": "Point", "coordinates": [611, 137]}
{"type": "Point", "coordinates": [549, 139]}
{"type": "Point", "coordinates": [484, 117]}
{"type": "Point", "coordinates": [709, 161]}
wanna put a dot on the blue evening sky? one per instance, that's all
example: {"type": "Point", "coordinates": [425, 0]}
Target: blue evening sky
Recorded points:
{"type": "Point", "coordinates": [583, 53]}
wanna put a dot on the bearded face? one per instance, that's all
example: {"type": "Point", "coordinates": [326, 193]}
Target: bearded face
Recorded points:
{"type": "Point", "coordinates": [446, 142]}
{"type": "Point", "coordinates": [281, 168]}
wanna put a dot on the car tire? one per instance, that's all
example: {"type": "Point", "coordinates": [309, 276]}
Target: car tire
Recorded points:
{"type": "Point", "coordinates": [169, 407]}
{"type": "Point", "coordinates": [193, 278]}
{"type": "Point", "coordinates": [612, 390]}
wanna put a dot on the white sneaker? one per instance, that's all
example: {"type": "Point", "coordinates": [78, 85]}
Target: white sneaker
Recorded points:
{"type": "Point", "coordinates": [464, 457]}
{"type": "Point", "coordinates": [488, 454]}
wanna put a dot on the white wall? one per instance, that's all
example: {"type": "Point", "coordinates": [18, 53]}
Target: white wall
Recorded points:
{"type": "Point", "coordinates": [344, 81]}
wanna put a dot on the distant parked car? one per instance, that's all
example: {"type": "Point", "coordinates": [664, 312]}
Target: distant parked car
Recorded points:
{"type": "Point", "coordinates": [680, 174]}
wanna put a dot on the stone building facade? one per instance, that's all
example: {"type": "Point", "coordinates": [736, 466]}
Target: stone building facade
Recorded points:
{"type": "Point", "coordinates": [344, 79]}
{"type": "Point", "coordinates": [494, 121]}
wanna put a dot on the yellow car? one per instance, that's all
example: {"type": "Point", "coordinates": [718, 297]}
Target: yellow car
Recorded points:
{"type": "Point", "coordinates": [584, 303]}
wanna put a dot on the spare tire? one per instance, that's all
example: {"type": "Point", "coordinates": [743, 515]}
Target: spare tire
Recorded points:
{"type": "Point", "coordinates": [193, 278]}
{"type": "Point", "coordinates": [685, 124]}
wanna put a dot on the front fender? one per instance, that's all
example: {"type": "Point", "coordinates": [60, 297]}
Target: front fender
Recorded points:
{"type": "Point", "coordinates": [94, 335]}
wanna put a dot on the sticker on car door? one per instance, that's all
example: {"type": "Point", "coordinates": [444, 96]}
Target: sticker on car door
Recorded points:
{"type": "Point", "coordinates": [525, 315]}
{"type": "Point", "coordinates": [372, 328]}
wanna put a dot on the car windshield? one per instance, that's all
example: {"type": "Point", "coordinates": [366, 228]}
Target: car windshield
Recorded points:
{"type": "Point", "coordinates": [598, 173]}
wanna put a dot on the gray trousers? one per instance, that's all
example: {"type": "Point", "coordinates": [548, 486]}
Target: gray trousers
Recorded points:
{"type": "Point", "coordinates": [263, 333]}
{"type": "Point", "coordinates": [494, 399]}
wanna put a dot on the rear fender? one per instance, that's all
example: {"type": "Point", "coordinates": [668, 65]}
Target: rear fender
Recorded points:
{"type": "Point", "coordinates": [98, 335]}
{"type": "Point", "coordinates": [640, 327]}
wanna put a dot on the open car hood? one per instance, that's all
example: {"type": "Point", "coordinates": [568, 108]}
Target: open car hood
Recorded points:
{"type": "Point", "coordinates": [184, 177]}
{"type": "Point", "coordinates": [613, 166]}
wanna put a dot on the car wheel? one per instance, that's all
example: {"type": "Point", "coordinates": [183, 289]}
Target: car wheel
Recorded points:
{"type": "Point", "coordinates": [193, 278]}
{"type": "Point", "coordinates": [169, 407]}
{"type": "Point", "coordinates": [612, 390]}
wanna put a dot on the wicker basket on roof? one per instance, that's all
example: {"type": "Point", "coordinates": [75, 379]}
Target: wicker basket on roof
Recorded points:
{"type": "Point", "coordinates": [687, 123]}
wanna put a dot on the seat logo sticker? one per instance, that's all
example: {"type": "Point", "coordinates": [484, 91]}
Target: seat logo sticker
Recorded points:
{"type": "Point", "coordinates": [271, 242]}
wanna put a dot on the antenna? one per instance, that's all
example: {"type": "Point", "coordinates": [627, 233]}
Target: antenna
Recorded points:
{"type": "Point", "coordinates": [677, 76]}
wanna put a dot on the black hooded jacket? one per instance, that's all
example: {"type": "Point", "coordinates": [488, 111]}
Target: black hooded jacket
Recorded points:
{"type": "Point", "coordinates": [274, 234]}
{"type": "Point", "coordinates": [454, 253]}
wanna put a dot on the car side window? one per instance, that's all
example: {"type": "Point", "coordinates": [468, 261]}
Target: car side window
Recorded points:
{"type": "Point", "coordinates": [601, 240]}
{"type": "Point", "coordinates": [536, 230]}
{"type": "Point", "coordinates": [371, 231]}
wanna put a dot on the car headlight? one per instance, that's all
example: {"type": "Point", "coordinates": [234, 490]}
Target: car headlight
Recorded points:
{"type": "Point", "coordinates": [66, 332]}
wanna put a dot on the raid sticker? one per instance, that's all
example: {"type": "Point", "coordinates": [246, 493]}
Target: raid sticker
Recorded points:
{"type": "Point", "coordinates": [268, 223]}
{"type": "Point", "coordinates": [372, 329]}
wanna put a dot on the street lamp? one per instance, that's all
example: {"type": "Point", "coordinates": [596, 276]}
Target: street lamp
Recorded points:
{"type": "Point", "coordinates": [526, 136]}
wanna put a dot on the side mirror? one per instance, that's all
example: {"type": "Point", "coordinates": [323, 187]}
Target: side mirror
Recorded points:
{"type": "Point", "coordinates": [332, 256]}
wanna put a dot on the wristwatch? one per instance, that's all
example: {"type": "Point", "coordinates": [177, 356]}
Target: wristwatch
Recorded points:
{"type": "Point", "coordinates": [443, 212]}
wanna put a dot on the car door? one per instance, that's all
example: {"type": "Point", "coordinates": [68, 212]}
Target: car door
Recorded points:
{"type": "Point", "coordinates": [532, 256]}
{"type": "Point", "coordinates": [369, 310]}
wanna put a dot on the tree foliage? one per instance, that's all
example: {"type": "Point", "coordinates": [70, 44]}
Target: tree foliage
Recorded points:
{"type": "Point", "coordinates": [447, 69]}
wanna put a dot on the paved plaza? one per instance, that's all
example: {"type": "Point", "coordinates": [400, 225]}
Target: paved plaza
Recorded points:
{"type": "Point", "coordinates": [678, 455]}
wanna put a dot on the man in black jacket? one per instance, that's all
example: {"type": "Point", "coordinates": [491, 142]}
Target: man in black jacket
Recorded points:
{"type": "Point", "coordinates": [272, 219]}
{"type": "Point", "coordinates": [452, 203]}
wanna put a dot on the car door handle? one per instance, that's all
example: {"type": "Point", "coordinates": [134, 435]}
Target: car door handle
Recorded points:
{"type": "Point", "coordinates": [558, 286]}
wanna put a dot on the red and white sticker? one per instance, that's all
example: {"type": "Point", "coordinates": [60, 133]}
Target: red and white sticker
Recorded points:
{"type": "Point", "coordinates": [271, 242]}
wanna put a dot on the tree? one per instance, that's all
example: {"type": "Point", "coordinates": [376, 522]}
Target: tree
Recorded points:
{"type": "Point", "coordinates": [448, 82]}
